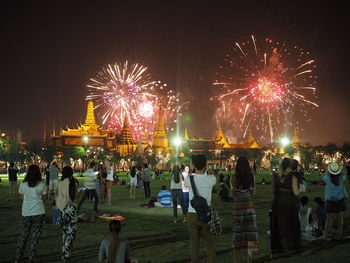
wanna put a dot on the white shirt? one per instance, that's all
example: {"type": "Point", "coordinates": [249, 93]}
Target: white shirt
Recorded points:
{"type": "Point", "coordinates": [110, 174]}
{"type": "Point", "coordinates": [32, 199]}
{"type": "Point", "coordinates": [204, 184]}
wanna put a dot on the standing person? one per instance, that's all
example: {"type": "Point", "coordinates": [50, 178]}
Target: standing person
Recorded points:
{"type": "Point", "coordinates": [176, 192]}
{"type": "Point", "coordinates": [185, 173]}
{"type": "Point", "coordinates": [90, 185]}
{"type": "Point", "coordinates": [12, 173]}
{"type": "Point", "coordinates": [33, 212]}
{"type": "Point", "coordinates": [103, 177]}
{"type": "Point", "coordinates": [245, 231]}
{"type": "Point", "coordinates": [204, 184]}
{"type": "Point", "coordinates": [53, 179]}
{"type": "Point", "coordinates": [133, 182]}
{"type": "Point", "coordinates": [115, 249]}
{"type": "Point", "coordinates": [47, 177]}
{"type": "Point", "coordinates": [109, 181]}
{"type": "Point", "coordinates": [335, 195]}
{"type": "Point", "coordinates": [147, 180]}
{"type": "Point", "coordinates": [285, 224]}
{"type": "Point", "coordinates": [65, 201]}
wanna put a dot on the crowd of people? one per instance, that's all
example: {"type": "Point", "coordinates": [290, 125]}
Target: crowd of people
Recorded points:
{"type": "Point", "coordinates": [190, 190]}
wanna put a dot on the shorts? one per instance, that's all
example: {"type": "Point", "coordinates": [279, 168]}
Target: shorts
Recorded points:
{"type": "Point", "coordinates": [109, 184]}
{"type": "Point", "coordinates": [53, 184]}
{"type": "Point", "coordinates": [335, 206]}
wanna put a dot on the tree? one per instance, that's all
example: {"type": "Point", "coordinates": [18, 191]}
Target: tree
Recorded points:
{"type": "Point", "coordinates": [35, 149]}
{"type": "Point", "coordinates": [48, 153]}
{"type": "Point", "coordinates": [345, 151]}
{"type": "Point", "coordinates": [330, 148]}
{"type": "Point", "coordinates": [306, 155]}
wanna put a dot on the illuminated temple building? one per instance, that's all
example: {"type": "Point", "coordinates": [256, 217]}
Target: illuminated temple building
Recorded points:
{"type": "Point", "coordinates": [96, 135]}
{"type": "Point", "coordinates": [90, 134]}
{"type": "Point", "coordinates": [218, 143]}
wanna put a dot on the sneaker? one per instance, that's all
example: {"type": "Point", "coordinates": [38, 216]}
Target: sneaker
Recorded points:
{"type": "Point", "coordinates": [109, 203]}
{"type": "Point", "coordinates": [184, 220]}
{"type": "Point", "coordinates": [175, 221]}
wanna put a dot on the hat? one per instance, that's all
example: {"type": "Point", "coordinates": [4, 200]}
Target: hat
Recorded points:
{"type": "Point", "coordinates": [334, 168]}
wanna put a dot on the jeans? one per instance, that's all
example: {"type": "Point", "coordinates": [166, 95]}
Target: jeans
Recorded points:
{"type": "Point", "coordinates": [186, 200]}
{"type": "Point", "coordinates": [197, 229]}
{"type": "Point", "coordinates": [146, 186]}
{"type": "Point", "coordinates": [177, 194]}
{"type": "Point", "coordinates": [86, 194]}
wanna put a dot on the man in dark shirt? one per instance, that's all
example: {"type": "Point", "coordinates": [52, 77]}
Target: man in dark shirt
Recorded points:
{"type": "Point", "coordinates": [12, 172]}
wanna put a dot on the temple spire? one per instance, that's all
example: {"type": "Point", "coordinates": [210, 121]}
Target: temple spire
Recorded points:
{"type": "Point", "coordinates": [220, 133]}
{"type": "Point", "coordinates": [160, 139]}
{"type": "Point", "coordinates": [90, 114]}
{"type": "Point", "coordinates": [126, 134]}
{"type": "Point", "coordinates": [186, 135]}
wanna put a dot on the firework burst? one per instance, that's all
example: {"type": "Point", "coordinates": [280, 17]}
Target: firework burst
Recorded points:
{"type": "Point", "coordinates": [265, 87]}
{"type": "Point", "coordinates": [127, 91]}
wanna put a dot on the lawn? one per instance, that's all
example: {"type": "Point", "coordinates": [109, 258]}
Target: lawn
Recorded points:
{"type": "Point", "coordinates": [151, 232]}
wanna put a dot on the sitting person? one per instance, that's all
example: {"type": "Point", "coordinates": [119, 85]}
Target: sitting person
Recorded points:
{"type": "Point", "coordinates": [223, 193]}
{"type": "Point", "coordinates": [115, 249]}
{"type": "Point", "coordinates": [164, 198]}
{"type": "Point", "coordinates": [320, 212]}
{"type": "Point", "coordinates": [304, 212]}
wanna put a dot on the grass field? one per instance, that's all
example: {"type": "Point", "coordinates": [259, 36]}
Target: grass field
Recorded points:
{"type": "Point", "coordinates": [151, 232]}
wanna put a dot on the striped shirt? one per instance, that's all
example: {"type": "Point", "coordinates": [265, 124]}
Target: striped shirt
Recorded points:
{"type": "Point", "coordinates": [90, 179]}
{"type": "Point", "coordinates": [164, 198]}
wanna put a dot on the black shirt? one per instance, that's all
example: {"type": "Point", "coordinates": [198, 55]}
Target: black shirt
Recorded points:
{"type": "Point", "coordinates": [12, 174]}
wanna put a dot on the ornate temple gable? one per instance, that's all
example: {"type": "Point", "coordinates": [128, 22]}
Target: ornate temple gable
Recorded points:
{"type": "Point", "coordinates": [250, 142]}
{"type": "Point", "coordinates": [97, 136]}
{"type": "Point", "coordinates": [160, 139]}
{"type": "Point", "coordinates": [221, 139]}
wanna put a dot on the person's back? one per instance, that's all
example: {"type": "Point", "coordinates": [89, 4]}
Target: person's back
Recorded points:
{"type": "Point", "coordinates": [12, 173]}
{"type": "Point", "coordinates": [116, 249]}
{"type": "Point", "coordinates": [32, 199]}
{"type": "Point", "coordinates": [122, 252]}
{"type": "Point", "coordinates": [90, 179]}
{"type": "Point", "coordinates": [146, 175]}
{"type": "Point", "coordinates": [164, 198]}
{"type": "Point", "coordinates": [334, 192]}
{"type": "Point", "coordinates": [53, 170]}
{"type": "Point", "coordinates": [204, 184]}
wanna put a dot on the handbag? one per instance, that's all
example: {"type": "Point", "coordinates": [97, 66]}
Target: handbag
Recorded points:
{"type": "Point", "coordinates": [199, 204]}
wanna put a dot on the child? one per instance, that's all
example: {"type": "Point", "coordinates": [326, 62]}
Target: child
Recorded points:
{"type": "Point", "coordinates": [320, 212]}
{"type": "Point", "coordinates": [304, 212]}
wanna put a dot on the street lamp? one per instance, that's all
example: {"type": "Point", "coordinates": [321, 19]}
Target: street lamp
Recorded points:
{"type": "Point", "coordinates": [177, 141]}
{"type": "Point", "coordinates": [285, 141]}
{"type": "Point", "coordinates": [86, 139]}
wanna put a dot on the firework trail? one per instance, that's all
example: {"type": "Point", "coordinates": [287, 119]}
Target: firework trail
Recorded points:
{"type": "Point", "coordinates": [265, 87]}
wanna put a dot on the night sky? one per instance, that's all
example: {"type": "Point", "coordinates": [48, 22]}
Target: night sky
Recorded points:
{"type": "Point", "coordinates": [50, 49]}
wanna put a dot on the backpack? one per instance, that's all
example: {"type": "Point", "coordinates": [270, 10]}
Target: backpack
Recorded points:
{"type": "Point", "coordinates": [199, 204]}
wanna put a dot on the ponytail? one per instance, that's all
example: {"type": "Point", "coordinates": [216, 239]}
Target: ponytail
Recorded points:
{"type": "Point", "coordinates": [114, 228]}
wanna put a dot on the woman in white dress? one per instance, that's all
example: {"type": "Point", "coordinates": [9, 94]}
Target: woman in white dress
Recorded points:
{"type": "Point", "coordinates": [133, 182]}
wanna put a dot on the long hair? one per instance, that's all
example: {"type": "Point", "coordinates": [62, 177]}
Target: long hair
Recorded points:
{"type": "Point", "coordinates": [67, 172]}
{"type": "Point", "coordinates": [243, 173]}
{"type": "Point", "coordinates": [176, 174]}
{"type": "Point", "coordinates": [284, 165]}
{"type": "Point", "coordinates": [114, 228]}
{"type": "Point", "coordinates": [33, 176]}
{"type": "Point", "coordinates": [335, 179]}
{"type": "Point", "coordinates": [133, 171]}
